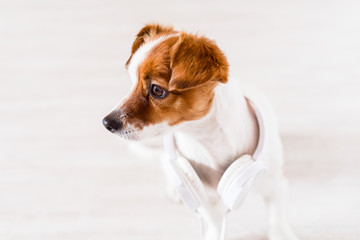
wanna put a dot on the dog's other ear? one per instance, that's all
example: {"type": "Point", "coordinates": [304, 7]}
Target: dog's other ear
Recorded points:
{"type": "Point", "coordinates": [150, 31]}
{"type": "Point", "coordinates": [195, 61]}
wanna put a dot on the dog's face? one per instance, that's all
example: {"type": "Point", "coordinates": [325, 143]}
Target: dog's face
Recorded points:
{"type": "Point", "coordinates": [174, 75]}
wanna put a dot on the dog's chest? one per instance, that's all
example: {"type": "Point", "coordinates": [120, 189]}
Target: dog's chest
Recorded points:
{"type": "Point", "coordinates": [209, 152]}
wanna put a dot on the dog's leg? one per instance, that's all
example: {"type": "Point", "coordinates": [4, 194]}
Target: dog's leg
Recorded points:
{"type": "Point", "coordinates": [278, 226]}
{"type": "Point", "coordinates": [211, 215]}
{"type": "Point", "coordinates": [275, 192]}
{"type": "Point", "coordinates": [212, 221]}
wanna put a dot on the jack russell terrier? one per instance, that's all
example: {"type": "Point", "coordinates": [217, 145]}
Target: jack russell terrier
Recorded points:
{"type": "Point", "coordinates": [220, 140]}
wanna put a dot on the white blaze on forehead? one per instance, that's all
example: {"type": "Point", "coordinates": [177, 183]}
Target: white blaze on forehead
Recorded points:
{"type": "Point", "coordinates": [140, 55]}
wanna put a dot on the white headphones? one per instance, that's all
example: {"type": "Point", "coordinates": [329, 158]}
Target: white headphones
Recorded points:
{"type": "Point", "coordinates": [233, 185]}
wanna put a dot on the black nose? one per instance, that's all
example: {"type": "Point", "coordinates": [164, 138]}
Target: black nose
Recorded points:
{"type": "Point", "coordinates": [111, 124]}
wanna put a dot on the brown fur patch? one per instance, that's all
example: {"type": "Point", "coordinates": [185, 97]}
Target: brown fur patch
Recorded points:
{"type": "Point", "coordinates": [149, 32]}
{"type": "Point", "coordinates": [189, 67]}
{"type": "Point", "coordinates": [195, 61]}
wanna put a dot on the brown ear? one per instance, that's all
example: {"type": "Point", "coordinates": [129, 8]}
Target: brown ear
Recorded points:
{"type": "Point", "coordinates": [195, 61]}
{"type": "Point", "coordinates": [150, 31]}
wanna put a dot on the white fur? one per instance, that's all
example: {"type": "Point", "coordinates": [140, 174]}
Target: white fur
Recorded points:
{"type": "Point", "coordinates": [225, 133]}
{"type": "Point", "coordinates": [228, 131]}
{"type": "Point", "coordinates": [147, 132]}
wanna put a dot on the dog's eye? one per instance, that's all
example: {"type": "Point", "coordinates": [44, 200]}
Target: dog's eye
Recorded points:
{"type": "Point", "coordinates": [158, 92]}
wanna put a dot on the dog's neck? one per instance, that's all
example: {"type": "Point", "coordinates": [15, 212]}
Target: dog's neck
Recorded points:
{"type": "Point", "coordinates": [227, 132]}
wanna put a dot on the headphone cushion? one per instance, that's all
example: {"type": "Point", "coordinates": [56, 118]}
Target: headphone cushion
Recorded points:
{"type": "Point", "coordinates": [237, 166]}
{"type": "Point", "coordinates": [191, 177]}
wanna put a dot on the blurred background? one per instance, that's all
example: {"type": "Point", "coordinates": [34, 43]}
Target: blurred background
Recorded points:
{"type": "Point", "coordinates": [63, 176]}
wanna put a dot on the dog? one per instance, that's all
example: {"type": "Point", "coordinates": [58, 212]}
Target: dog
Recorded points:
{"type": "Point", "coordinates": [181, 85]}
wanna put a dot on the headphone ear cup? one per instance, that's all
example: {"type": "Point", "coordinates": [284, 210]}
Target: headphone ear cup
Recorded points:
{"type": "Point", "coordinates": [191, 177]}
{"type": "Point", "coordinates": [227, 180]}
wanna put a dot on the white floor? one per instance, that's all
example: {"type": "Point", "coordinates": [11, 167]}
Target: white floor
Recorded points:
{"type": "Point", "coordinates": [63, 176]}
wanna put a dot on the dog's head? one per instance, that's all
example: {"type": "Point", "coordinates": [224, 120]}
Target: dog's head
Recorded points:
{"type": "Point", "coordinates": [174, 75]}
